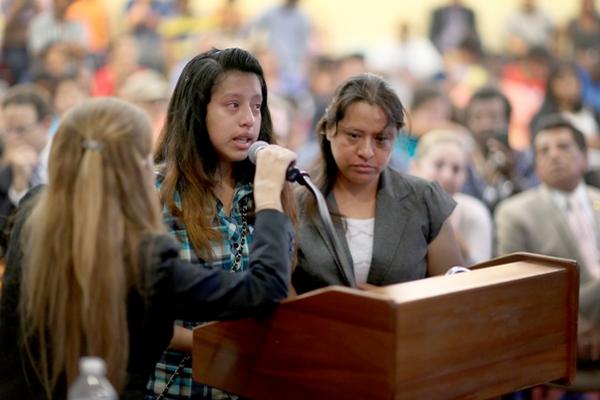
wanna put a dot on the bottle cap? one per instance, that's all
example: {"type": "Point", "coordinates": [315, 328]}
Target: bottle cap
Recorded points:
{"type": "Point", "coordinates": [92, 366]}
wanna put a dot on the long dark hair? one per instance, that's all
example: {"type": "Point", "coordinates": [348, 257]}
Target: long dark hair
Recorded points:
{"type": "Point", "coordinates": [185, 152]}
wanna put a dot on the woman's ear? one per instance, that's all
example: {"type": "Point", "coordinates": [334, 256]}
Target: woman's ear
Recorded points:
{"type": "Point", "coordinates": [330, 133]}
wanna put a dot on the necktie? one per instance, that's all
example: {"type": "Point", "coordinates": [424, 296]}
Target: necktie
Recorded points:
{"type": "Point", "coordinates": [584, 230]}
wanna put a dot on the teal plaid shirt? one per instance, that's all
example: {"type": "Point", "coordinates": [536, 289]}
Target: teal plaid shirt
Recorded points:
{"type": "Point", "coordinates": [224, 252]}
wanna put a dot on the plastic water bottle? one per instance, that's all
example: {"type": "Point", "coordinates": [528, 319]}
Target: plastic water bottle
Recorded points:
{"type": "Point", "coordinates": [91, 384]}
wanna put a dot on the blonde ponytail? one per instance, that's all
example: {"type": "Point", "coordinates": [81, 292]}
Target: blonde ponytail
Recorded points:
{"type": "Point", "coordinates": [82, 239]}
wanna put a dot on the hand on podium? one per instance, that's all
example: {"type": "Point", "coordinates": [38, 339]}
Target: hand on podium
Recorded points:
{"type": "Point", "coordinates": [456, 270]}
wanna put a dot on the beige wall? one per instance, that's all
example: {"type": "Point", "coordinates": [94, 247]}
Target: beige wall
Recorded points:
{"type": "Point", "coordinates": [346, 25]}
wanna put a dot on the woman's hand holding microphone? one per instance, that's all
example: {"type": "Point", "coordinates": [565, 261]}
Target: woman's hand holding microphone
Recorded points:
{"type": "Point", "coordinates": [272, 163]}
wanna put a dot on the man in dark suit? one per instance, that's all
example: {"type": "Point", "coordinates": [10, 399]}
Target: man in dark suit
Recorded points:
{"type": "Point", "coordinates": [27, 117]}
{"type": "Point", "coordinates": [452, 25]}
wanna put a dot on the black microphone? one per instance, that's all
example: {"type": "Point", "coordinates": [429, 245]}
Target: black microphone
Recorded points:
{"type": "Point", "coordinates": [293, 174]}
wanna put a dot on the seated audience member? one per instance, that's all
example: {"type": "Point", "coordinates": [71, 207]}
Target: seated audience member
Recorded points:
{"type": "Point", "coordinates": [229, 18]}
{"type": "Point", "coordinates": [527, 27]}
{"type": "Point", "coordinates": [409, 60]}
{"type": "Point", "coordinates": [121, 62]}
{"type": "Point", "coordinates": [395, 226]}
{"type": "Point", "coordinates": [287, 31]}
{"type": "Point", "coordinates": [564, 96]}
{"type": "Point", "coordinates": [52, 25]}
{"type": "Point", "coordinates": [100, 276]}
{"type": "Point", "coordinates": [441, 156]}
{"type": "Point", "coordinates": [94, 16]}
{"type": "Point", "coordinates": [451, 24]}
{"type": "Point", "coordinates": [27, 117]}
{"type": "Point", "coordinates": [523, 81]}
{"type": "Point", "coordinates": [496, 171]}
{"type": "Point", "coordinates": [17, 17]}
{"type": "Point", "coordinates": [58, 60]}
{"type": "Point", "coordinates": [430, 109]}
{"type": "Point", "coordinates": [67, 92]}
{"type": "Point", "coordinates": [149, 90]}
{"type": "Point", "coordinates": [583, 32]}
{"type": "Point", "coordinates": [464, 72]}
{"type": "Point", "coordinates": [560, 217]}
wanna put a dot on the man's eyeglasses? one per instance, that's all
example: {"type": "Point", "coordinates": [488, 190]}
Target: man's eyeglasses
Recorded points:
{"type": "Point", "coordinates": [18, 130]}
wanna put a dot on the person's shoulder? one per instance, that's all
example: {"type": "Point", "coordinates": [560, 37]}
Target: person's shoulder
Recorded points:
{"type": "Point", "coordinates": [395, 176]}
{"type": "Point", "coordinates": [521, 202]}
{"type": "Point", "coordinates": [471, 202]}
{"type": "Point", "coordinates": [436, 12]}
{"type": "Point", "coordinates": [401, 183]}
{"type": "Point", "coordinates": [157, 254]}
{"type": "Point", "coordinates": [472, 210]}
{"type": "Point", "coordinates": [415, 191]}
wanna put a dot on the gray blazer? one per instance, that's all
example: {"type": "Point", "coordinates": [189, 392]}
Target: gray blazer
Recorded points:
{"type": "Point", "coordinates": [409, 214]}
{"type": "Point", "coordinates": [532, 222]}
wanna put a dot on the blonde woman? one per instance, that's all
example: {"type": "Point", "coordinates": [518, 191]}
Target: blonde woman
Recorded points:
{"type": "Point", "coordinates": [442, 157]}
{"type": "Point", "coordinates": [91, 270]}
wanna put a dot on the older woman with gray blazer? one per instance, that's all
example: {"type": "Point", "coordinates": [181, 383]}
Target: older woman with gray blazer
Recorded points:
{"type": "Point", "coordinates": [396, 226]}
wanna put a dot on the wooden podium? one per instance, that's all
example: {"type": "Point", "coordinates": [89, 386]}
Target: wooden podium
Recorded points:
{"type": "Point", "coordinates": [474, 335]}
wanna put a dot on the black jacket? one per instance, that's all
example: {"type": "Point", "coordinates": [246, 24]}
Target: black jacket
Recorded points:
{"type": "Point", "coordinates": [169, 290]}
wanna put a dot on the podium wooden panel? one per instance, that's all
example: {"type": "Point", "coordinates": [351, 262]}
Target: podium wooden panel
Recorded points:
{"type": "Point", "coordinates": [472, 335]}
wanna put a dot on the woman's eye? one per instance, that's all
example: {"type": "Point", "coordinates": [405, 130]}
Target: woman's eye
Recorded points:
{"type": "Point", "coordinates": [233, 106]}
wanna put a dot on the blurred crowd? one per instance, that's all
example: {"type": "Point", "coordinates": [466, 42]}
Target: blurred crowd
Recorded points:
{"type": "Point", "coordinates": [491, 127]}
{"type": "Point", "coordinates": [59, 52]}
